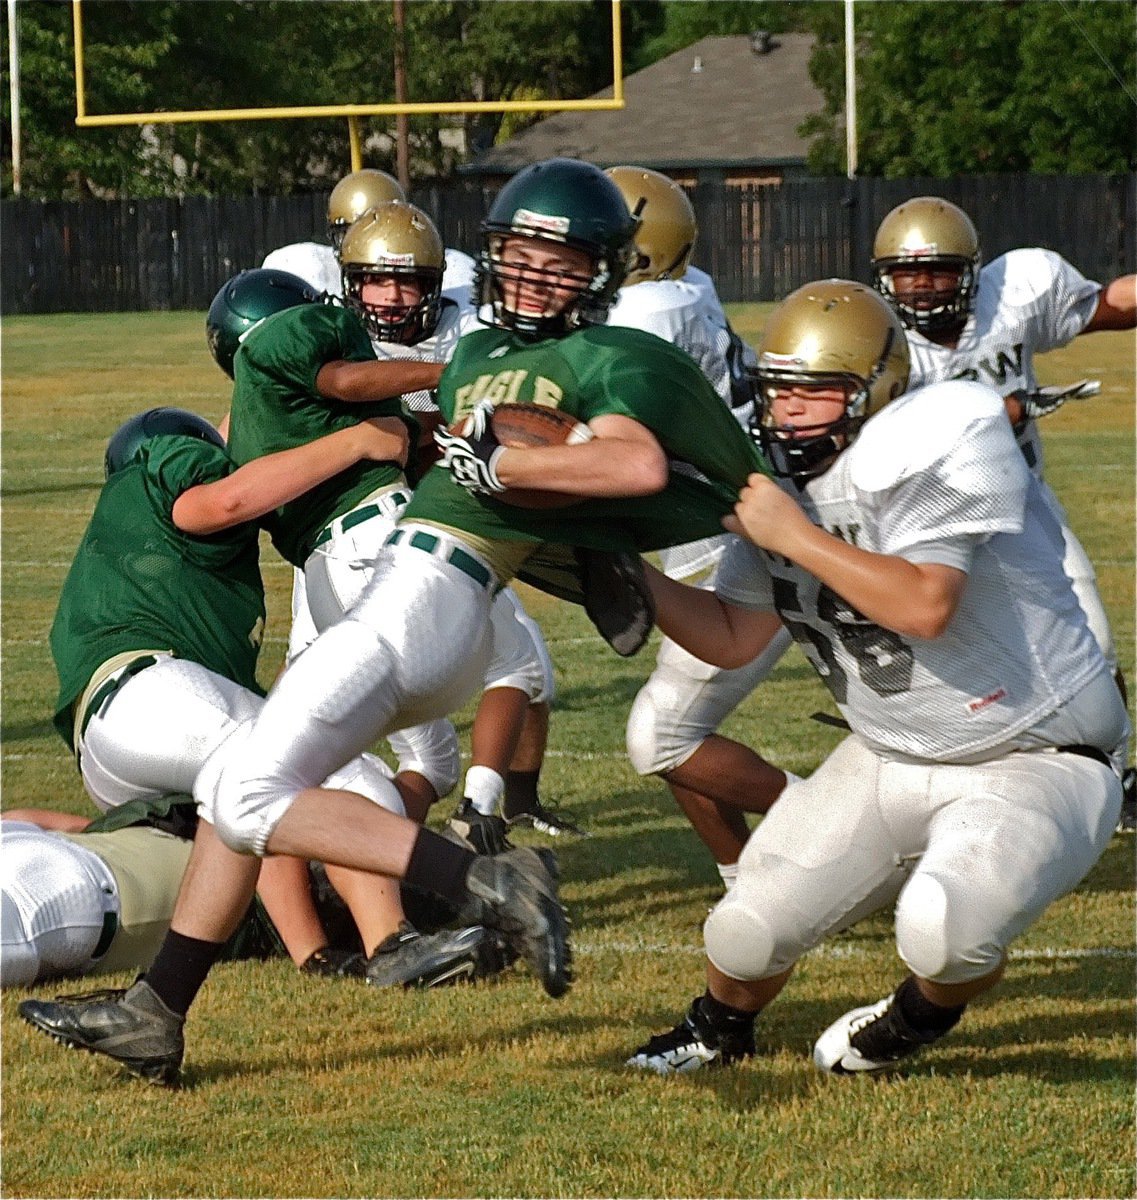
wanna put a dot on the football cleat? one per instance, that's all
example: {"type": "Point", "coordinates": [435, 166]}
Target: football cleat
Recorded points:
{"type": "Point", "coordinates": [335, 963]}
{"type": "Point", "coordinates": [549, 821]}
{"type": "Point", "coordinates": [691, 1045]}
{"type": "Point", "coordinates": [424, 960]}
{"type": "Point", "coordinates": [132, 1026]}
{"type": "Point", "coordinates": [516, 893]}
{"type": "Point", "coordinates": [871, 1038]}
{"type": "Point", "coordinates": [484, 833]}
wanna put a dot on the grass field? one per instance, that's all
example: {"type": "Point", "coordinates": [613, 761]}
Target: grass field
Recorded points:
{"type": "Point", "coordinates": [299, 1087]}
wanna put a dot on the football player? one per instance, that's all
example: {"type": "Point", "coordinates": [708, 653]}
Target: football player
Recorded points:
{"type": "Point", "coordinates": [318, 264]}
{"type": "Point", "coordinates": [914, 557]}
{"type": "Point", "coordinates": [392, 260]}
{"type": "Point", "coordinates": [167, 582]}
{"type": "Point", "coordinates": [673, 721]}
{"type": "Point", "coordinates": [986, 322]}
{"type": "Point", "coordinates": [157, 631]}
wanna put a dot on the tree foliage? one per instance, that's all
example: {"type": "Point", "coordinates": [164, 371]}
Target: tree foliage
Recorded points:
{"type": "Point", "coordinates": [944, 87]}
{"type": "Point", "coordinates": [947, 88]}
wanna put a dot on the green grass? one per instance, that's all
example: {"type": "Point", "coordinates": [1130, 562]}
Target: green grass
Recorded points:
{"type": "Point", "coordinates": [300, 1087]}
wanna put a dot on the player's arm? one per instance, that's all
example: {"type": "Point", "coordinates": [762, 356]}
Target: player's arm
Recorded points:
{"type": "Point", "coordinates": [47, 819]}
{"type": "Point", "coordinates": [712, 629]}
{"type": "Point", "coordinates": [359, 382]}
{"type": "Point", "coordinates": [1117, 306]}
{"type": "Point", "coordinates": [913, 599]}
{"type": "Point", "coordinates": [266, 483]}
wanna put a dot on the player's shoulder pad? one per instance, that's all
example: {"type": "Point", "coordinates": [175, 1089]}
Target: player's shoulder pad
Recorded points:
{"type": "Point", "coordinates": [1021, 276]}
{"type": "Point", "coordinates": [670, 302]}
{"type": "Point", "coordinates": [922, 428]}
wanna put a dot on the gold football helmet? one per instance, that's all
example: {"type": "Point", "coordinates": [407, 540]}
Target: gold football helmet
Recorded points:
{"type": "Point", "coordinates": [931, 233]}
{"type": "Point", "coordinates": [833, 333]}
{"type": "Point", "coordinates": [665, 238]}
{"type": "Point", "coordinates": [354, 195]}
{"type": "Point", "coordinates": [398, 240]}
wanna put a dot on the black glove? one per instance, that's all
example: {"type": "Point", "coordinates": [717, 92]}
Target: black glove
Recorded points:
{"type": "Point", "coordinates": [1047, 400]}
{"type": "Point", "coordinates": [470, 457]}
{"type": "Point", "coordinates": [483, 833]}
{"type": "Point", "coordinates": [330, 961]}
{"type": "Point", "coordinates": [617, 598]}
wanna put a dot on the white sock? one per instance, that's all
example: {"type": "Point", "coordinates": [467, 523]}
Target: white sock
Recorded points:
{"type": "Point", "coordinates": [484, 789]}
{"type": "Point", "coordinates": [729, 873]}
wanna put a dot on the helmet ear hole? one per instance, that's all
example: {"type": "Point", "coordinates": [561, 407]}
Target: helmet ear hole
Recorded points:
{"type": "Point", "coordinates": [667, 229]}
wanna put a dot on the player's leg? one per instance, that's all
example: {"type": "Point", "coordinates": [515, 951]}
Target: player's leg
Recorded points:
{"type": "Point", "coordinates": [822, 859]}
{"type": "Point", "coordinates": [671, 733]}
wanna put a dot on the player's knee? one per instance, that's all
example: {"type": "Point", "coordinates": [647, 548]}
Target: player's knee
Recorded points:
{"type": "Point", "coordinates": [370, 777]}
{"type": "Point", "coordinates": [432, 751]}
{"type": "Point", "coordinates": [739, 940]}
{"type": "Point", "coordinates": [936, 938]}
{"type": "Point", "coordinates": [243, 809]}
{"type": "Point", "coordinates": [654, 742]}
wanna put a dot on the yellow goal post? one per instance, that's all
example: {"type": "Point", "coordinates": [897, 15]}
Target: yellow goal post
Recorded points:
{"type": "Point", "coordinates": [352, 112]}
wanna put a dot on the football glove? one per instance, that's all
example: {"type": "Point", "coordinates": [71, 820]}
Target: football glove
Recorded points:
{"type": "Point", "coordinates": [1047, 400]}
{"type": "Point", "coordinates": [617, 597]}
{"type": "Point", "coordinates": [470, 457]}
{"type": "Point", "coordinates": [484, 833]}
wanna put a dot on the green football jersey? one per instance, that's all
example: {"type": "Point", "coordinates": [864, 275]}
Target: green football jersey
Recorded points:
{"type": "Point", "coordinates": [276, 407]}
{"type": "Point", "coordinates": [589, 374]}
{"type": "Point", "coordinates": [139, 583]}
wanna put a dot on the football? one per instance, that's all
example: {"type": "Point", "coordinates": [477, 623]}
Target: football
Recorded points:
{"type": "Point", "coordinates": [523, 426]}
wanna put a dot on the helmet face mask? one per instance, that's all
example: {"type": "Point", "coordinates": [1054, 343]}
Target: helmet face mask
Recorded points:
{"type": "Point", "coordinates": [244, 302]}
{"type": "Point", "coordinates": [931, 239]}
{"type": "Point", "coordinates": [394, 242]}
{"type": "Point", "coordinates": [836, 336]}
{"type": "Point", "coordinates": [354, 195]}
{"type": "Point", "coordinates": [665, 237]}
{"type": "Point", "coordinates": [133, 434]}
{"type": "Point", "coordinates": [557, 205]}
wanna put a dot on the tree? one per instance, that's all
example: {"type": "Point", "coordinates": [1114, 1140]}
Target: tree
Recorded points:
{"type": "Point", "coordinates": [961, 88]}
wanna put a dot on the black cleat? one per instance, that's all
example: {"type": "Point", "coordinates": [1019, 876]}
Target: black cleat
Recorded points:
{"type": "Point", "coordinates": [692, 1045]}
{"type": "Point", "coordinates": [516, 893]}
{"type": "Point", "coordinates": [545, 820]}
{"type": "Point", "coordinates": [870, 1038]}
{"type": "Point", "coordinates": [425, 960]}
{"type": "Point", "coordinates": [132, 1026]}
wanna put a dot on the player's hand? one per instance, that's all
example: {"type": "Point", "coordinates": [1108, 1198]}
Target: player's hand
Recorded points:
{"type": "Point", "coordinates": [1025, 406]}
{"type": "Point", "coordinates": [483, 832]}
{"type": "Point", "coordinates": [767, 516]}
{"type": "Point", "coordinates": [471, 457]}
{"type": "Point", "coordinates": [387, 439]}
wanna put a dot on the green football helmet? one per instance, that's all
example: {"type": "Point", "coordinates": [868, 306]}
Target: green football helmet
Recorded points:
{"type": "Point", "coordinates": [244, 302]}
{"type": "Point", "coordinates": [131, 435]}
{"type": "Point", "coordinates": [832, 333]}
{"type": "Point", "coordinates": [572, 203]}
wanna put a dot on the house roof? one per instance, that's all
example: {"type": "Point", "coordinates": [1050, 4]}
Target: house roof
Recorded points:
{"type": "Point", "coordinates": [714, 102]}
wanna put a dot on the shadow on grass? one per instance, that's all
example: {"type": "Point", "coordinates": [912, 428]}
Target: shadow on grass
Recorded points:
{"type": "Point", "coordinates": [52, 489]}
{"type": "Point", "coordinates": [32, 731]}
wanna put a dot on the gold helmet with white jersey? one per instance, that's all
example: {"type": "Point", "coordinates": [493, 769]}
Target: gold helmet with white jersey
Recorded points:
{"type": "Point", "coordinates": [933, 247]}
{"type": "Point", "coordinates": [354, 195]}
{"type": "Point", "coordinates": [834, 333]}
{"type": "Point", "coordinates": [665, 238]}
{"type": "Point", "coordinates": [397, 242]}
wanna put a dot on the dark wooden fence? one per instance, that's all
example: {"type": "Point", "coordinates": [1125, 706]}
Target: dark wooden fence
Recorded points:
{"type": "Point", "coordinates": [757, 242]}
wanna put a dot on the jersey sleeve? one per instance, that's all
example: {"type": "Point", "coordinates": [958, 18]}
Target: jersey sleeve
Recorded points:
{"type": "Point", "coordinates": [316, 264]}
{"type": "Point", "coordinates": [944, 467]}
{"type": "Point", "coordinates": [1065, 300]}
{"type": "Point", "coordinates": [292, 346]}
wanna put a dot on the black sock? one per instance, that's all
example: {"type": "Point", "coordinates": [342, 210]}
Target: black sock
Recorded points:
{"type": "Point", "coordinates": [724, 1018]}
{"type": "Point", "coordinates": [920, 1013]}
{"type": "Point", "coordinates": [180, 968]}
{"type": "Point", "coordinates": [439, 865]}
{"type": "Point", "coordinates": [520, 792]}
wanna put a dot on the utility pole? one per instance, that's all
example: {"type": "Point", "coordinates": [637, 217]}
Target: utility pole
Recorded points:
{"type": "Point", "coordinates": [402, 155]}
{"type": "Point", "coordinates": [14, 92]}
{"type": "Point", "coordinates": [850, 95]}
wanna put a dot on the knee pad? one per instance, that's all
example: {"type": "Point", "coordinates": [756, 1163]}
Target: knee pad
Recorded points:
{"type": "Point", "coordinates": [432, 751]}
{"type": "Point", "coordinates": [739, 941]}
{"type": "Point", "coordinates": [932, 939]}
{"type": "Point", "coordinates": [243, 814]}
{"type": "Point", "coordinates": [657, 738]}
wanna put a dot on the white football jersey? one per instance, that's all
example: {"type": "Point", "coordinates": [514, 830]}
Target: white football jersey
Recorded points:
{"type": "Point", "coordinates": [935, 477]}
{"type": "Point", "coordinates": [313, 262]}
{"type": "Point", "coordinates": [1029, 301]}
{"type": "Point", "coordinates": [455, 319]}
{"type": "Point", "coordinates": [319, 267]}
